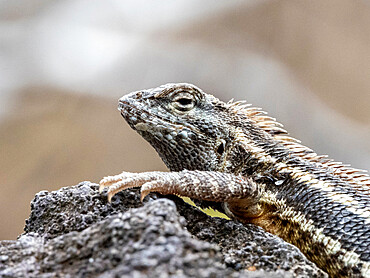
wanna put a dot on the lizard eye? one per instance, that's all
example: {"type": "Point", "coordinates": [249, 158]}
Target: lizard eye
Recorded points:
{"type": "Point", "coordinates": [183, 102]}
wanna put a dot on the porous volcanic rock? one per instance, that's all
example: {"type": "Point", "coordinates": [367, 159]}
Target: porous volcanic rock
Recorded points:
{"type": "Point", "coordinates": [75, 232]}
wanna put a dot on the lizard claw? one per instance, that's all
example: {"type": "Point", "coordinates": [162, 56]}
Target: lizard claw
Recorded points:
{"type": "Point", "coordinates": [120, 186]}
{"type": "Point", "coordinates": [151, 186]}
{"type": "Point", "coordinates": [126, 180]}
{"type": "Point", "coordinates": [110, 180]}
{"type": "Point", "coordinates": [101, 186]}
{"type": "Point", "coordinates": [144, 193]}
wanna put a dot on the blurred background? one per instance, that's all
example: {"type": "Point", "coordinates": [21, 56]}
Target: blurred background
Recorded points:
{"type": "Point", "coordinates": [64, 64]}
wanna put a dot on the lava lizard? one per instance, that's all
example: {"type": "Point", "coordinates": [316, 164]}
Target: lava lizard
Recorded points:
{"type": "Point", "coordinates": [235, 158]}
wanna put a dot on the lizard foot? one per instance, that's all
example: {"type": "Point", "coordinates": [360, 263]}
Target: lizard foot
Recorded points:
{"type": "Point", "coordinates": [149, 182]}
{"type": "Point", "coordinates": [202, 185]}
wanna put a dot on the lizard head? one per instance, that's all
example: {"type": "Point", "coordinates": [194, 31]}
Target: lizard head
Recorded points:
{"type": "Point", "coordinates": [184, 125]}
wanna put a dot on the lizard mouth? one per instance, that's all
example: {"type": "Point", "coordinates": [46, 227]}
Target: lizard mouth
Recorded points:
{"type": "Point", "coordinates": [143, 122]}
{"type": "Point", "coordinates": [141, 119]}
{"type": "Point", "coordinates": [133, 115]}
{"type": "Point", "coordinates": [153, 128]}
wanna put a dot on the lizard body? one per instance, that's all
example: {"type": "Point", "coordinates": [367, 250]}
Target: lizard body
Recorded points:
{"type": "Point", "coordinates": [235, 158]}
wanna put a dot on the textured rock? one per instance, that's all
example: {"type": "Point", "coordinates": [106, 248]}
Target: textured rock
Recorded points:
{"type": "Point", "coordinates": [74, 232]}
{"type": "Point", "coordinates": [75, 208]}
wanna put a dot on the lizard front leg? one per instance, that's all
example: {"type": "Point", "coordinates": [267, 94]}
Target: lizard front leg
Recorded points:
{"type": "Point", "coordinates": [201, 185]}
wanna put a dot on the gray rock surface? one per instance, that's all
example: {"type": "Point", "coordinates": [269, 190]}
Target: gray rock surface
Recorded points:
{"type": "Point", "coordinates": [74, 232]}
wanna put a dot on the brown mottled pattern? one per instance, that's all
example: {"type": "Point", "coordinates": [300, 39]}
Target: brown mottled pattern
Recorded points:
{"type": "Point", "coordinates": [237, 156]}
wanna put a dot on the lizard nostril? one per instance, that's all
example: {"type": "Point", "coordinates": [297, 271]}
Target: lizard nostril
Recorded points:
{"type": "Point", "coordinates": [122, 104]}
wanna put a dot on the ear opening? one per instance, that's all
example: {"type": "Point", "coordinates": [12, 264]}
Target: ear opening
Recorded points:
{"type": "Point", "coordinates": [221, 147]}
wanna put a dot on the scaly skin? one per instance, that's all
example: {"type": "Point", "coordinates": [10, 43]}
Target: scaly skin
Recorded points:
{"type": "Point", "coordinates": [233, 154]}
